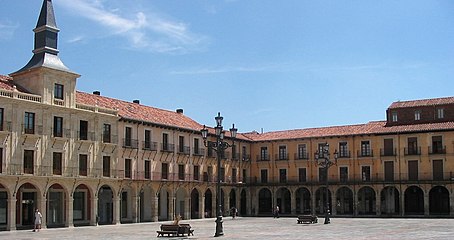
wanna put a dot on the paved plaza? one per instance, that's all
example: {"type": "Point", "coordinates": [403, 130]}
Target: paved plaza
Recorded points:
{"type": "Point", "coordinates": [261, 228]}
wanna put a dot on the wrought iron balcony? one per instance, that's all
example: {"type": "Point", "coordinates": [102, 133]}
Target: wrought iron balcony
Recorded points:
{"type": "Point", "coordinates": [437, 149]}
{"type": "Point", "coordinates": [412, 151]}
{"type": "Point", "coordinates": [388, 152]}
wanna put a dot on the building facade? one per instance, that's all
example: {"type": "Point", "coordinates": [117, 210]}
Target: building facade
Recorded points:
{"type": "Point", "coordinates": [87, 159]}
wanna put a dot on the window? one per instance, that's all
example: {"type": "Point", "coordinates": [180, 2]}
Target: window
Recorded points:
{"type": "Point", "coordinates": [263, 153]}
{"type": "Point", "coordinates": [282, 175]}
{"type": "Point", "coordinates": [181, 172]}
{"type": "Point", "coordinates": [57, 163]}
{"type": "Point", "coordinates": [264, 175]}
{"type": "Point", "coordinates": [106, 133]}
{"type": "Point", "coordinates": [388, 147]}
{"type": "Point", "coordinates": [147, 140]}
{"type": "Point", "coordinates": [440, 113]}
{"type": "Point", "coordinates": [365, 173]}
{"type": "Point", "coordinates": [437, 168]}
{"type": "Point", "coordinates": [417, 115]}
{"type": "Point", "coordinates": [83, 130]}
{"type": "Point", "coordinates": [29, 123]}
{"type": "Point", "coordinates": [222, 174]}
{"type": "Point", "coordinates": [302, 151]}
{"type": "Point", "coordinates": [365, 149]}
{"type": "Point", "coordinates": [58, 127]}
{"type": "Point", "coordinates": [210, 173]}
{"type": "Point", "coordinates": [196, 147]}
{"type": "Point", "coordinates": [147, 169]}
{"type": "Point", "coordinates": [322, 147]}
{"type": "Point", "coordinates": [58, 91]}
{"type": "Point", "coordinates": [234, 156]}
{"type": "Point", "coordinates": [234, 175]}
{"type": "Point", "coordinates": [437, 145]}
{"type": "Point", "coordinates": [83, 164]}
{"type": "Point", "coordinates": [128, 169]}
{"type": "Point", "coordinates": [394, 116]}
{"type": "Point", "coordinates": [165, 142]}
{"type": "Point", "coordinates": [164, 171]}
{"type": "Point", "coordinates": [322, 174]}
{"type": "Point", "coordinates": [28, 161]}
{"type": "Point", "coordinates": [244, 175]}
{"type": "Point", "coordinates": [1, 160]}
{"type": "Point", "coordinates": [106, 166]}
{"type": "Point", "coordinates": [283, 153]}
{"type": "Point", "coordinates": [343, 150]}
{"type": "Point", "coordinates": [244, 153]}
{"type": "Point", "coordinates": [343, 174]}
{"type": "Point", "coordinates": [413, 148]}
{"type": "Point", "coordinates": [181, 144]}
{"type": "Point", "coordinates": [196, 173]}
{"type": "Point", "coordinates": [128, 137]}
{"type": "Point", "coordinates": [413, 170]}
{"type": "Point", "coordinates": [1, 119]}
{"type": "Point", "coordinates": [302, 175]}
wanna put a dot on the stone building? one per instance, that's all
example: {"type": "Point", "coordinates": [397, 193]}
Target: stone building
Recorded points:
{"type": "Point", "coordinates": [87, 159]}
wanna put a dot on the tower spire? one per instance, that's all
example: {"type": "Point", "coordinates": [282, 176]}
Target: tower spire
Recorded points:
{"type": "Point", "coordinates": [45, 52]}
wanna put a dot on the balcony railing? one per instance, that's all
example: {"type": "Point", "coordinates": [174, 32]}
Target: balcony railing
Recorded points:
{"type": "Point", "coordinates": [388, 152]}
{"type": "Point", "coordinates": [437, 150]}
{"type": "Point", "coordinates": [366, 153]}
{"type": "Point", "coordinates": [5, 126]}
{"type": "Point", "coordinates": [199, 152]}
{"type": "Point", "coordinates": [109, 138]}
{"type": "Point", "coordinates": [412, 151]}
{"type": "Point", "coordinates": [167, 147]}
{"type": "Point", "coordinates": [245, 157]}
{"type": "Point", "coordinates": [301, 156]}
{"type": "Point", "coordinates": [130, 143]}
{"type": "Point", "coordinates": [86, 136]}
{"type": "Point", "coordinates": [183, 150]}
{"type": "Point", "coordinates": [150, 146]}
{"type": "Point", "coordinates": [36, 129]}
{"type": "Point", "coordinates": [281, 156]}
{"type": "Point", "coordinates": [263, 157]}
{"type": "Point", "coordinates": [344, 154]}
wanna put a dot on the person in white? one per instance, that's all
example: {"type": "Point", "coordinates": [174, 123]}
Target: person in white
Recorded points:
{"type": "Point", "coordinates": [38, 219]}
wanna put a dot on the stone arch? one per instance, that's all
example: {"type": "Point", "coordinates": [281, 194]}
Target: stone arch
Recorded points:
{"type": "Point", "coordinates": [414, 201]}
{"type": "Point", "coordinates": [28, 197]}
{"type": "Point", "coordinates": [164, 204]}
{"type": "Point", "coordinates": [265, 201]}
{"type": "Point", "coordinates": [344, 201]}
{"type": "Point", "coordinates": [195, 200]}
{"type": "Point", "coordinates": [208, 211]}
{"type": "Point", "coordinates": [366, 201]}
{"type": "Point", "coordinates": [322, 201]}
{"type": "Point", "coordinates": [180, 202]}
{"type": "Point", "coordinates": [4, 193]}
{"type": "Point", "coordinates": [284, 200]}
{"type": "Point", "coordinates": [105, 205]}
{"type": "Point", "coordinates": [243, 203]}
{"type": "Point", "coordinates": [82, 205]}
{"type": "Point", "coordinates": [389, 201]}
{"type": "Point", "coordinates": [439, 202]}
{"type": "Point", "coordinates": [56, 204]}
{"type": "Point", "coordinates": [303, 201]}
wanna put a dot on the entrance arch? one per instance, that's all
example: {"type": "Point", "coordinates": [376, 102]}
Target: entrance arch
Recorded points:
{"type": "Point", "coordinates": [3, 206]}
{"type": "Point", "coordinates": [439, 201]}
{"type": "Point", "coordinates": [303, 201]}
{"type": "Point", "coordinates": [320, 200]}
{"type": "Point", "coordinates": [56, 199]}
{"type": "Point", "coordinates": [284, 200]}
{"type": "Point", "coordinates": [344, 201]}
{"type": "Point", "coordinates": [195, 211]}
{"type": "Point", "coordinates": [105, 205]}
{"type": "Point", "coordinates": [265, 201]}
{"type": "Point", "coordinates": [27, 201]}
{"type": "Point", "coordinates": [163, 204]}
{"type": "Point", "coordinates": [414, 201]}
{"type": "Point", "coordinates": [390, 201]}
{"type": "Point", "coordinates": [180, 200]}
{"type": "Point", "coordinates": [208, 204]}
{"type": "Point", "coordinates": [366, 201]}
{"type": "Point", "coordinates": [82, 206]}
{"type": "Point", "coordinates": [243, 200]}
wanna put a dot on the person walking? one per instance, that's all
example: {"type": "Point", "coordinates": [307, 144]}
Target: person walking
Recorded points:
{"type": "Point", "coordinates": [38, 220]}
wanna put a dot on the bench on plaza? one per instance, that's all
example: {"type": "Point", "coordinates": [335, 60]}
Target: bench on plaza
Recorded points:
{"type": "Point", "coordinates": [307, 219]}
{"type": "Point", "coordinates": [175, 230]}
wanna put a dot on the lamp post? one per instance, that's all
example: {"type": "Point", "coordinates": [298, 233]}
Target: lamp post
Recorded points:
{"type": "Point", "coordinates": [219, 146]}
{"type": "Point", "coordinates": [322, 157]}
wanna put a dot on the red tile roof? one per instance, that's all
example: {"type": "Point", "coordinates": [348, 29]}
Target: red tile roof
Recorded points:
{"type": "Point", "coordinates": [422, 102]}
{"type": "Point", "coordinates": [7, 84]}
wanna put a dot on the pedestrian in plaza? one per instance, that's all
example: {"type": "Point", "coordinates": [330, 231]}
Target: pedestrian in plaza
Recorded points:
{"type": "Point", "coordinates": [233, 212]}
{"type": "Point", "coordinates": [276, 212]}
{"type": "Point", "coordinates": [38, 220]}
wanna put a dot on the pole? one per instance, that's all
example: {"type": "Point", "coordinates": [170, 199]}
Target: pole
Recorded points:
{"type": "Point", "coordinates": [219, 228]}
{"type": "Point", "coordinates": [327, 221]}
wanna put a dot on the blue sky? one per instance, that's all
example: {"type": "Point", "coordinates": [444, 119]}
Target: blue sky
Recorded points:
{"type": "Point", "coordinates": [274, 65]}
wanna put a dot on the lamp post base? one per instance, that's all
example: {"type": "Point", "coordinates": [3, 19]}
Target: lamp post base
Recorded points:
{"type": "Point", "coordinates": [219, 228]}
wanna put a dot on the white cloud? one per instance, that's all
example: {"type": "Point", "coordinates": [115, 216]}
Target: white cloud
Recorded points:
{"type": "Point", "coordinates": [7, 30]}
{"type": "Point", "coordinates": [143, 31]}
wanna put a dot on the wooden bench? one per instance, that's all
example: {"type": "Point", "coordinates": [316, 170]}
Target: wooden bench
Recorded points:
{"type": "Point", "coordinates": [175, 230]}
{"type": "Point", "coordinates": [307, 219]}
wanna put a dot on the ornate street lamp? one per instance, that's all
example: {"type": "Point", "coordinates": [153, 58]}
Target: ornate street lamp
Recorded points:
{"type": "Point", "coordinates": [219, 146]}
{"type": "Point", "coordinates": [322, 158]}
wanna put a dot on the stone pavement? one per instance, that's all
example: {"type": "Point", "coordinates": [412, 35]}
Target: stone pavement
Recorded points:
{"type": "Point", "coordinates": [261, 228]}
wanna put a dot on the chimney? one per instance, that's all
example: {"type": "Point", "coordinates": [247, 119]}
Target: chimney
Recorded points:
{"type": "Point", "coordinates": [137, 101]}
{"type": "Point", "coordinates": [180, 111]}
{"type": "Point", "coordinates": [97, 93]}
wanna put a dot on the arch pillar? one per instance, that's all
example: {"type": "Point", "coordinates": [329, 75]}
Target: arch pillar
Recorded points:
{"type": "Point", "coordinates": [42, 202]}
{"type": "Point", "coordinates": [154, 209]}
{"type": "Point", "coordinates": [333, 203]}
{"type": "Point", "coordinates": [426, 204]}
{"type": "Point", "coordinates": [116, 212]}
{"type": "Point", "coordinates": [135, 207]}
{"type": "Point", "coordinates": [94, 213]}
{"type": "Point", "coordinates": [187, 207]}
{"type": "Point", "coordinates": [202, 206]}
{"type": "Point", "coordinates": [378, 203]}
{"type": "Point", "coordinates": [11, 212]}
{"type": "Point", "coordinates": [69, 212]}
{"type": "Point", "coordinates": [172, 199]}
{"type": "Point", "coordinates": [293, 202]}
